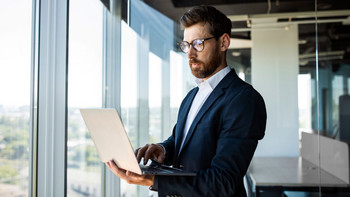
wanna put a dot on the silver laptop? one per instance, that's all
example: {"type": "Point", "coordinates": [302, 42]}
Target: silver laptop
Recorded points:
{"type": "Point", "coordinates": [112, 143]}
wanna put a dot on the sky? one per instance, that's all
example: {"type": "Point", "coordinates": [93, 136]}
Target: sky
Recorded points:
{"type": "Point", "coordinates": [15, 44]}
{"type": "Point", "coordinates": [85, 52]}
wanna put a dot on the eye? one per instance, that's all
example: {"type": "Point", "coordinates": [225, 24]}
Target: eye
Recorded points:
{"type": "Point", "coordinates": [198, 44]}
{"type": "Point", "coordinates": [184, 46]}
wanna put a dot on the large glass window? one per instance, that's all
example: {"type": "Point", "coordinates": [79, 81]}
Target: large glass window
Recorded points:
{"type": "Point", "coordinates": [333, 100]}
{"type": "Point", "coordinates": [154, 80]}
{"type": "Point", "coordinates": [334, 73]}
{"type": "Point", "coordinates": [129, 98]}
{"type": "Point", "coordinates": [84, 91]}
{"type": "Point", "coordinates": [155, 98]}
{"type": "Point", "coordinates": [15, 69]}
{"type": "Point", "coordinates": [304, 79]}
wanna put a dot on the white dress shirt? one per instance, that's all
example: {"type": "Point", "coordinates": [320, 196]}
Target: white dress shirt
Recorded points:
{"type": "Point", "coordinates": [205, 88]}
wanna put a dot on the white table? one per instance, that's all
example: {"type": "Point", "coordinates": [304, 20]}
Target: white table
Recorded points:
{"type": "Point", "coordinates": [291, 174]}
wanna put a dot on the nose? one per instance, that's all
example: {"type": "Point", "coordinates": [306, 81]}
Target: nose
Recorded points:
{"type": "Point", "coordinates": [191, 53]}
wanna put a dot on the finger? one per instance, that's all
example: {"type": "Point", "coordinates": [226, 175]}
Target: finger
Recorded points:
{"type": "Point", "coordinates": [136, 178]}
{"type": "Point", "coordinates": [117, 171]}
{"type": "Point", "coordinates": [148, 155]}
{"type": "Point", "coordinates": [129, 177]}
{"type": "Point", "coordinates": [113, 165]}
{"type": "Point", "coordinates": [161, 158]}
{"type": "Point", "coordinates": [151, 153]}
{"type": "Point", "coordinates": [137, 151]}
{"type": "Point", "coordinates": [141, 152]}
{"type": "Point", "coordinates": [109, 164]}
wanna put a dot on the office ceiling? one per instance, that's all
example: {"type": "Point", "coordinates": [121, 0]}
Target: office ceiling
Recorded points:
{"type": "Point", "coordinates": [333, 36]}
{"type": "Point", "coordinates": [175, 8]}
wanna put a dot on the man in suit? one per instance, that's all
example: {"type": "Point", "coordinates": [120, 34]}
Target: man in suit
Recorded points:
{"type": "Point", "coordinates": [219, 122]}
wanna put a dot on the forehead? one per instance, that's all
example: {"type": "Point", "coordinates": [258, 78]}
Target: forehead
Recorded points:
{"type": "Point", "coordinates": [196, 31]}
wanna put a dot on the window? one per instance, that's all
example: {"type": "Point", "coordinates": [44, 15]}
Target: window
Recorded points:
{"type": "Point", "coordinates": [154, 80]}
{"type": "Point", "coordinates": [15, 52]}
{"type": "Point", "coordinates": [155, 98]}
{"type": "Point", "coordinates": [129, 98]}
{"type": "Point", "coordinates": [84, 90]}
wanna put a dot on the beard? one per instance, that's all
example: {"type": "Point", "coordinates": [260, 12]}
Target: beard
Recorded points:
{"type": "Point", "coordinates": [205, 69]}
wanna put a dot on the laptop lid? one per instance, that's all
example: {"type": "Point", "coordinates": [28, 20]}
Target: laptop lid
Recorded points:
{"type": "Point", "coordinates": [112, 143]}
{"type": "Point", "coordinates": [109, 136]}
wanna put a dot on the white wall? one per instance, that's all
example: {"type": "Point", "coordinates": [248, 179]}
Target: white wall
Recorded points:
{"type": "Point", "coordinates": [275, 76]}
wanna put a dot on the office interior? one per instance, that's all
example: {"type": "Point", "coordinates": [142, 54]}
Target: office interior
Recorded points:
{"type": "Point", "coordinates": [58, 56]}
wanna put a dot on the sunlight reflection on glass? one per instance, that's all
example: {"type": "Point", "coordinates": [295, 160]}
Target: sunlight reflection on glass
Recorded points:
{"type": "Point", "coordinates": [84, 90]}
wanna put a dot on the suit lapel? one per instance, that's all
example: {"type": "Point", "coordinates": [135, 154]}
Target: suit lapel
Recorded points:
{"type": "Point", "coordinates": [182, 119]}
{"type": "Point", "coordinates": [217, 92]}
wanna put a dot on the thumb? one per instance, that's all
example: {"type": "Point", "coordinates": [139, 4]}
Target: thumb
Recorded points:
{"type": "Point", "coordinates": [160, 158]}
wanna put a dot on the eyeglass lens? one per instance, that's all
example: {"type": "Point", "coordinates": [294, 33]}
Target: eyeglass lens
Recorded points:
{"type": "Point", "coordinates": [196, 44]}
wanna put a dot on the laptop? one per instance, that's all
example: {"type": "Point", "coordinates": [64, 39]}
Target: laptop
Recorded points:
{"type": "Point", "coordinates": [112, 143]}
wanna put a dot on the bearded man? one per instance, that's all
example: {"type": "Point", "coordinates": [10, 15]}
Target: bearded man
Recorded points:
{"type": "Point", "coordinates": [219, 122]}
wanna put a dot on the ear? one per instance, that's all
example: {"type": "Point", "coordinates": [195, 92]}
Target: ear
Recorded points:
{"type": "Point", "coordinates": [225, 42]}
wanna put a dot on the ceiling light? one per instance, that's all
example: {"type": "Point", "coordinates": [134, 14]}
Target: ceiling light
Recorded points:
{"type": "Point", "coordinates": [302, 41]}
{"type": "Point", "coordinates": [236, 53]}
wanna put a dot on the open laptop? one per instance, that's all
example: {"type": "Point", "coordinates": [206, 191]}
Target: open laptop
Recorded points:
{"type": "Point", "coordinates": [111, 140]}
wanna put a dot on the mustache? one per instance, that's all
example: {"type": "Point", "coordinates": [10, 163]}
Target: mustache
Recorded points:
{"type": "Point", "coordinates": [192, 61]}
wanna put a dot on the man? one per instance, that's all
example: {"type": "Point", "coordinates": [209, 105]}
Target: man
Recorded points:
{"type": "Point", "coordinates": [219, 122]}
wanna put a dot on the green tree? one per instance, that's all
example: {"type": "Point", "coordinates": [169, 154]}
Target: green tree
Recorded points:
{"type": "Point", "coordinates": [14, 137]}
{"type": "Point", "coordinates": [8, 174]}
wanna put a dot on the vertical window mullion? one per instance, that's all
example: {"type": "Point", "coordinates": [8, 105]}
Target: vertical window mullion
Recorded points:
{"type": "Point", "coordinates": [112, 69]}
{"type": "Point", "coordinates": [32, 191]}
{"type": "Point", "coordinates": [52, 98]}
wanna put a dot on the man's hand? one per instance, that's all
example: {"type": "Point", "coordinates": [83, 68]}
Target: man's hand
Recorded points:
{"type": "Point", "coordinates": [150, 151]}
{"type": "Point", "coordinates": [130, 177]}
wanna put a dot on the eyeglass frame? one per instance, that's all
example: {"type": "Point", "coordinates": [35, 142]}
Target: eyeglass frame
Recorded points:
{"type": "Point", "coordinates": [189, 44]}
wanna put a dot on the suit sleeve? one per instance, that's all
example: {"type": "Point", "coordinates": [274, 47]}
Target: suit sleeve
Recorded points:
{"type": "Point", "coordinates": [242, 123]}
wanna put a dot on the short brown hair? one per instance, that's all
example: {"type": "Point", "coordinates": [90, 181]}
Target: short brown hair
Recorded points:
{"type": "Point", "coordinates": [218, 22]}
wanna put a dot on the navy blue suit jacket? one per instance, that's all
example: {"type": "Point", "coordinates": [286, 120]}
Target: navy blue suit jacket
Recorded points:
{"type": "Point", "coordinates": [220, 142]}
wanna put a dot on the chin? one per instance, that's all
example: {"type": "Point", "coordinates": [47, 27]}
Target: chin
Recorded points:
{"type": "Point", "coordinates": [198, 75]}
{"type": "Point", "coordinates": [196, 72]}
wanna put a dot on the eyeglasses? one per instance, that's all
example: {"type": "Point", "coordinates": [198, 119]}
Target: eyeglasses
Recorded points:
{"type": "Point", "coordinates": [197, 44]}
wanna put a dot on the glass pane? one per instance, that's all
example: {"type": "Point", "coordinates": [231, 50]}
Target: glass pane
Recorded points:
{"type": "Point", "coordinates": [181, 81]}
{"type": "Point", "coordinates": [334, 100]}
{"type": "Point", "coordinates": [84, 90]}
{"type": "Point", "coordinates": [276, 53]}
{"type": "Point", "coordinates": [155, 98]}
{"type": "Point", "coordinates": [15, 70]}
{"type": "Point", "coordinates": [307, 101]}
{"type": "Point", "coordinates": [154, 79]}
{"type": "Point", "coordinates": [334, 73]}
{"type": "Point", "coordinates": [129, 99]}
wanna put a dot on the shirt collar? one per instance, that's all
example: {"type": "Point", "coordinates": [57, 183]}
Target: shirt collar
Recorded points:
{"type": "Point", "coordinates": [214, 80]}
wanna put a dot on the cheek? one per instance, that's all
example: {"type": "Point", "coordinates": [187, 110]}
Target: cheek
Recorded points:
{"type": "Point", "coordinates": [208, 54]}
{"type": "Point", "coordinates": [204, 57]}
